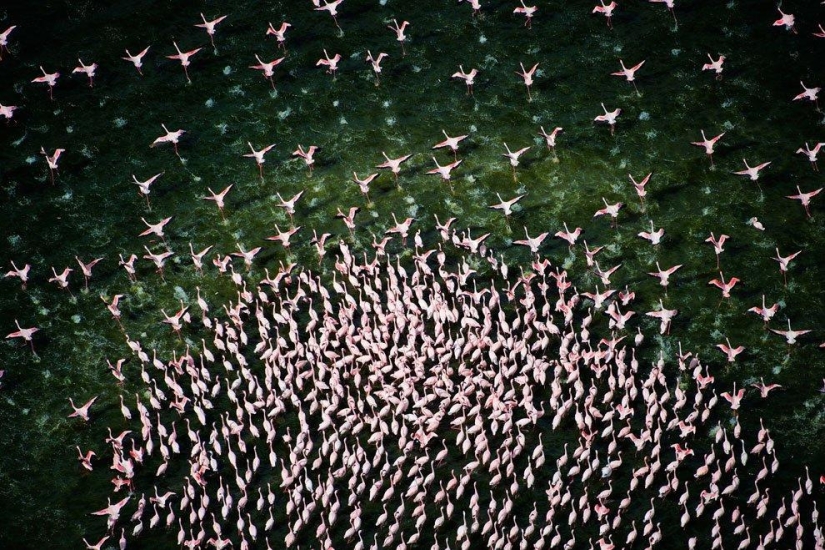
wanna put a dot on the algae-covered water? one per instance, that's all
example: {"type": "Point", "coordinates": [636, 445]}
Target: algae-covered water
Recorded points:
{"type": "Point", "coordinates": [93, 209]}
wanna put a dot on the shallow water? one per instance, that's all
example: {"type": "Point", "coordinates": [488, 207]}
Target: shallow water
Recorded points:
{"type": "Point", "coordinates": [93, 210]}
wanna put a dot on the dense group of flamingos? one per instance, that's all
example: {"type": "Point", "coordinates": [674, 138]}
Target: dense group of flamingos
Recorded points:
{"type": "Point", "coordinates": [410, 399]}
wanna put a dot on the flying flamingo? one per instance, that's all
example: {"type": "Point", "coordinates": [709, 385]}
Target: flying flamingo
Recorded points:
{"type": "Point", "coordinates": [451, 143]}
{"type": "Point", "coordinates": [307, 155]}
{"type": "Point", "coordinates": [52, 161]}
{"type": "Point", "coordinates": [155, 228]}
{"type": "Point", "coordinates": [444, 171]}
{"type": "Point", "coordinates": [331, 63]}
{"type": "Point", "coordinates": [785, 19]}
{"type": "Point", "coordinates": [219, 198]}
{"type": "Point", "coordinates": [468, 78]}
{"type": "Point", "coordinates": [724, 286]}
{"type": "Point", "coordinates": [811, 154]}
{"type": "Point", "coordinates": [609, 117]}
{"type": "Point", "coordinates": [24, 333]}
{"type": "Point", "coordinates": [765, 389]}
{"type": "Point", "coordinates": [550, 139]}
{"type": "Point", "coordinates": [809, 94]}
{"type": "Point", "coordinates": [259, 156]}
{"type": "Point", "coordinates": [528, 12]}
{"type": "Point", "coordinates": [364, 184]}
{"type": "Point", "coordinates": [506, 206]}
{"type": "Point", "coordinates": [7, 111]}
{"type": "Point", "coordinates": [528, 78]}
{"type": "Point", "coordinates": [61, 280]}
{"type": "Point", "coordinates": [630, 73]}
{"type": "Point", "coordinates": [183, 57]}
{"type": "Point", "coordinates": [399, 33]}
{"type": "Point", "coordinates": [513, 156]}
{"type": "Point", "coordinates": [640, 186]}
{"type": "Point", "coordinates": [210, 27]}
{"type": "Point", "coordinates": [766, 313]}
{"type": "Point", "coordinates": [790, 334]}
{"type": "Point", "coordinates": [708, 144]}
{"type": "Point", "coordinates": [753, 171]}
{"type": "Point", "coordinates": [279, 34]}
{"type": "Point", "coordinates": [376, 65]}
{"type": "Point", "coordinates": [607, 11]}
{"type": "Point", "coordinates": [4, 40]}
{"type": "Point", "coordinates": [83, 411]}
{"type": "Point", "coordinates": [784, 262]}
{"type": "Point", "coordinates": [20, 273]}
{"type": "Point", "coordinates": [86, 269]}
{"type": "Point", "coordinates": [394, 165]}
{"type": "Point", "coordinates": [136, 60]}
{"type": "Point", "coordinates": [715, 66]}
{"type": "Point", "coordinates": [48, 78]}
{"type": "Point", "coordinates": [267, 68]}
{"type": "Point", "coordinates": [332, 8]}
{"type": "Point", "coordinates": [169, 137]}
{"type": "Point", "coordinates": [89, 70]}
{"type": "Point", "coordinates": [144, 187]}
{"type": "Point", "coordinates": [718, 245]}
{"type": "Point", "coordinates": [805, 198]}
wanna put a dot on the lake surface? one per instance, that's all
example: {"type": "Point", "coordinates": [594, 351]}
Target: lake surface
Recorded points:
{"type": "Point", "coordinates": [93, 210]}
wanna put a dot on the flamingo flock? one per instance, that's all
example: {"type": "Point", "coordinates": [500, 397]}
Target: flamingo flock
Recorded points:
{"type": "Point", "coordinates": [428, 390]}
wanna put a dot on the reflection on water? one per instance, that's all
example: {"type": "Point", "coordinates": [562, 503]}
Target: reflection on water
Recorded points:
{"type": "Point", "coordinates": [94, 209]}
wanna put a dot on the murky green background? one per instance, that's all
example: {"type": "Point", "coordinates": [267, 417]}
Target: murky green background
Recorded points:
{"type": "Point", "coordinates": [93, 210]}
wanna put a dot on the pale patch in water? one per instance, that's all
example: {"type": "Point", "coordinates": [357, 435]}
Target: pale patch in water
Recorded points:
{"type": "Point", "coordinates": [482, 39]}
{"type": "Point", "coordinates": [31, 160]}
{"type": "Point", "coordinates": [285, 113]}
{"type": "Point", "coordinates": [335, 103]}
{"type": "Point", "coordinates": [227, 70]}
{"type": "Point", "coordinates": [76, 318]}
{"type": "Point", "coordinates": [342, 121]}
{"type": "Point", "coordinates": [675, 52]}
{"type": "Point", "coordinates": [69, 129]}
{"type": "Point", "coordinates": [390, 121]}
{"type": "Point", "coordinates": [14, 240]}
{"type": "Point", "coordinates": [180, 294]}
{"type": "Point", "coordinates": [644, 115]}
{"type": "Point", "coordinates": [119, 122]}
{"type": "Point", "coordinates": [209, 103]}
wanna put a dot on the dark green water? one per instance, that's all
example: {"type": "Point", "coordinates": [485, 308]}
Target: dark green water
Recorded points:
{"type": "Point", "coordinates": [94, 211]}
